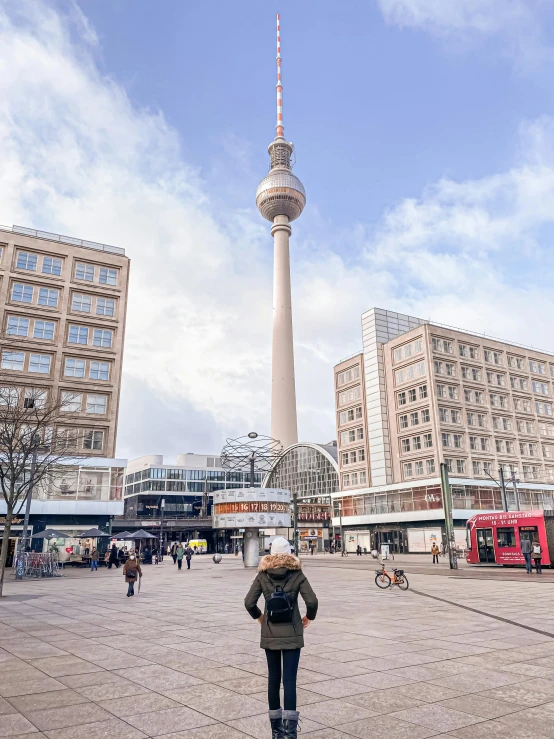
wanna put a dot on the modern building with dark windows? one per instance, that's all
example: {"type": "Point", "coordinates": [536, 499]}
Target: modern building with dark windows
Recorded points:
{"type": "Point", "coordinates": [183, 489]}
{"type": "Point", "coordinates": [310, 471]}
{"type": "Point", "coordinates": [420, 394]}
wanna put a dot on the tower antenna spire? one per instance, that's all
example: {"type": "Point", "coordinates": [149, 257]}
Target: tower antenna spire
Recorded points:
{"type": "Point", "coordinates": [279, 127]}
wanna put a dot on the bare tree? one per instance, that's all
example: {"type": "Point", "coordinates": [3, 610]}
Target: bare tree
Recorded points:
{"type": "Point", "coordinates": [33, 424]}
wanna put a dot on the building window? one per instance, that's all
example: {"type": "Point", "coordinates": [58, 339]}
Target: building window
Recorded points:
{"type": "Point", "coordinates": [363, 477]}
{"type": "Point", "coordinates": [408, 470]}
{"type": "Point", "coordinates": [13, 360]}
{"type": "Point", "coordinates": [410, 372]}
{"type": "Point", "coordinates": [97, 404]}
{"type": "Point", "coordinates": [51, 266]}
{"type": "Point", "coordinates": [361, 455]}
{"type": "Point", "coordinates": [74, 367]}
{"type": "Point", "coordinates": [81, 303]}
{"type": "Point", "coordinates": [25, 260]}
{"type": "Point", "coordinates": [40, 363]}
{"type": "Point", "coordinates": [537, 368]}
{"type": "Point", "coordinates": [412, 395]}
{"type": "Point", "coordinates": [99, 371]}
{"type": "Point", "coordinates": [516, 362]}
{"type": "Point", "coordinates": [458, 441]}
{"type": "Point", "coordinates": [93, 440]}
{"type": "Point", "coordinates": [345, 397]}
{"type": "Point", "coordinates": [17, 326]}
{"type": "Point", "coordinates": [518, 383]}
{"type": "Point", "coordinates": [84, 271]}
{"type": "Point", "coordinates": [471, 373]}
{"type": "Point", "coordinates": [48, 297]}
{"type": "Point", "coordinates": [349, 375]}
{"type": "Point", "coordinates": [401, 398]}
{"type": "Point", "coordinates": [418, 468]}
{"type": "Point", "coordinates": [66, 438]}
{"type": "Point", "coordinates": [430, 466]}
{"type": "Point", "coordinates": [501, 423]}
{"type": "Point", "coordinates": [345, 458]}
{"type": "Point", "coordinates": [416, 443]}
{"type": "Point", "coordinates": [546, 429]}
{"type": "Point", "coordinates": [493, 357]}
{"type": "Point", "coordinates": [105, 307]}
{"type": "Point", "coordinates": [78, 335]}
{"type": "Point", "coordinates": [414, 419]}
{"type": "Point", "coordinates": [408, 350]}
{"type": "Point", "coordinates": [353, 414]}
{"type": "Point", "coordinates": [71, 402]}
{"type": "Point", "coordinates": [493, 378]}
{"type": "Point", "coordinates": [441, 345]}
{"type": "Point", "coordinates": [22, 293]}
{"type": "Point", "coordinates": [102, 338]}
{"type": "Point", "coordinates": [422, 392]}
{"type": "Point", "coordinates": [425, 415]}
{"type": "Point", "coordinates": [405, 445]}
{"type": "Point", "coordinates": [403, 422]}
{"type": "Point", "coordinates": [499, 401]}
{"type": "Point", "coordinates": [43, 330]}
{"type": "Point", "coordinates": [108, 276]}
{"type": "Point", "coordinates": [427, 440]}
{"type": "Point", "coordinates": [35, 398]}
{"type": "Point", "coordinates": [522, 404]}
{"type": "Point", "coordinates": [461, 466]}
{"type": "Point", "coordinates": [446, 439]}
{"type": "Point", "coordinates": [447, 391]}
{"type": "Point", "coordinates": [543, 409]}
{"type": "Point", "coordinates": [540, 387]}
{"type": "Point", "coordinates": [470, 352]}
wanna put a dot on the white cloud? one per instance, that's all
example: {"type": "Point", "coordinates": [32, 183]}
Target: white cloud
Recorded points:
{"type": "Point", "coordinates": [518, 24]}
{"type": "Point", "coordinates": [78, 158]}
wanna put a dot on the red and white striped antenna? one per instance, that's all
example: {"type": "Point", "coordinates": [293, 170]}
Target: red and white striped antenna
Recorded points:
{"type": "Point", "coordinates": [280, 128]}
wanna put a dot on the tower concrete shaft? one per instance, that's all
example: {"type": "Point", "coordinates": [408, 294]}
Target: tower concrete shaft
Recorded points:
{"type": "Point", "coordinates": [283, 391]}
{"type": "Point", "coordinates": [280, 198]}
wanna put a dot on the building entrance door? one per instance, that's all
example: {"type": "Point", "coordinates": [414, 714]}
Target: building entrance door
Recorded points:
{"type": "Point", "coordinates": [485, 545]}
{"type": "Point", "coordinates": [394, 538]}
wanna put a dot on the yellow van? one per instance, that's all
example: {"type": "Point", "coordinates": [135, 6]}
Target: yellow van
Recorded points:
{"type": "Point", "coordinates": [198, 546]}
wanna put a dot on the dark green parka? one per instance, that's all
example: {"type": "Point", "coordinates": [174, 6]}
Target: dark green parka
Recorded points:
{"type": "Point", "coordinates": [284, 570]}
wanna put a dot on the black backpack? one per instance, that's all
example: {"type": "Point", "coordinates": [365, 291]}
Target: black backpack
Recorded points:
{"type": "Point", "coordinates": [279, 604]}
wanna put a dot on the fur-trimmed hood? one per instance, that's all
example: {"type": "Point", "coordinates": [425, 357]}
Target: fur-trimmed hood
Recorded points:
{"type": "Point", "coordinates": [276, 561]}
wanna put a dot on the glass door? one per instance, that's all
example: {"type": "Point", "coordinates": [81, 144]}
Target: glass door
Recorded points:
{"type": "Point", "coordinates": [485, 545]}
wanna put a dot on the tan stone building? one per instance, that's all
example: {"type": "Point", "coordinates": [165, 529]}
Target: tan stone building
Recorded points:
{"type": "Point", "coordinates": [421, 394]}
{"type": "Point", "coordinates": [63, 304]}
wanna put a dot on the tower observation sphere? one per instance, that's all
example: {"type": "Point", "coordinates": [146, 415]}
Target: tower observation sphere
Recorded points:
{"type": "Point", "coordinates": [281, 198]}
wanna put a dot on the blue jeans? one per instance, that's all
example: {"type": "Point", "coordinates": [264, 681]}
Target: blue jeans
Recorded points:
{"type": "Point", "coordinates": [528, 564]}
{"type": "Point", "coordinates": [93, 564]}
{"type": "Point", "coordinates": [131, 588]}
{"type": "Point", "coordinates": [290, 658]}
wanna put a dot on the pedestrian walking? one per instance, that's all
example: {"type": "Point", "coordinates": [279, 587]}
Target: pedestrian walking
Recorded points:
{"type": "Point", "coordinates": [280, 579]}
{"type": "Point", "coordinates": [188, 555]}
{"type": "Point", "coordinates": [536, 556]}
{"type": "Point", "coordinates": [435, 552]}
{"type": "Point", "coordinates": [132, 571]}
{"type": "Point", "coordinates": [113, 560]}
{"type": "Point", "coordinates": [94, 560]}
{"type": "Point", "coordinates": [358, 551]}
{"type": "Point", "coordinates": [180, 553]}
{"type": "Point", "coordinates": [525, 545]}
{"type": "Point", "coordinates": [121, 556]}
{"type": "Point", "coordinates": [174, 551]}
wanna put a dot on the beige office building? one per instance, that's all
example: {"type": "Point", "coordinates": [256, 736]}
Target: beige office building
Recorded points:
{"type": "Point", "coordinates": [63, 304]}
{"type": "Point", "coordinates": [420, 394]}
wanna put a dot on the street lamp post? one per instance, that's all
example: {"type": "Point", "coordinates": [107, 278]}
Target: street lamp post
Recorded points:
{"type": "Point", "coordinates": [448, 516]}
{"type": "Point", "coordinates": [342, 552]}
{"type": "Point", "coordinates": [295, 520]}
{"type": "Point", "coordinates": [161, 553]}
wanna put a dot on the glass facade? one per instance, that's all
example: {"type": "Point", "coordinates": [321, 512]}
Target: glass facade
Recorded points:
{"type": "Point", "coordinates": [465, 497]}
{"type": "Point", "coordinates": [68, 482]}
{"type": "Point", "coordinates": [306, 471]}
{"type": "Point", "coordinates": [181, 480]}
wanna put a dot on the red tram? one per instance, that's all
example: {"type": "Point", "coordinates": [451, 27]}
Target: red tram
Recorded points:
{"type": "Point", "coordinates": [496, 537]}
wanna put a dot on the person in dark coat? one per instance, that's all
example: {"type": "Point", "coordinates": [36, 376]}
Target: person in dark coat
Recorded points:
{"type": "Point", "coordinates": [174, 551]}
{"type": "Point", "coordinates": [121, 556]}
{"type": "Point", "coordinates": [282, 641]}
{"type": "Point", "coordinates": [132, 571]}
{"type": "Point", "coordinates": [113, 560]}
{"type": "Point", "coordinates": [188, 555]}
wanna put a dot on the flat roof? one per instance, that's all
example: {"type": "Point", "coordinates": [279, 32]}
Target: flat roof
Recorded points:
{"type": "Point", "coordinates": [35, 234]}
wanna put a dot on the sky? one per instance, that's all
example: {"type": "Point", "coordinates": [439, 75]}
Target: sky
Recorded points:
{"type": "Point", "coordinates": [424, 136]}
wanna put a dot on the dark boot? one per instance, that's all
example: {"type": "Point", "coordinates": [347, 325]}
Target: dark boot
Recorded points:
{"type": "Point", "coordinates": [290, 724]}
{"type": "Point", "coordinates": [276, 721]}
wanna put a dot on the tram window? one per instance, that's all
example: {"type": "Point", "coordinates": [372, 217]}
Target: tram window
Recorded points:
{"type": "Point", "coordinates": [468, 538]}
{"type": "Point", "coordinates": [506, 537]}
{"type": "Point", "coordinates": [528, 532]}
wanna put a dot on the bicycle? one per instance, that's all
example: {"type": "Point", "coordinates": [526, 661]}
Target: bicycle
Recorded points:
{"type": "Point", "coordinates": [383, 580]}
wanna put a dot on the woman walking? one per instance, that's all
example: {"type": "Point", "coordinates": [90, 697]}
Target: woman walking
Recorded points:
{"type": "Point", "coordinates": [94, 559]}
{"type": "Point", "coordinates": [188, 555]}
{"type": "Point", "coordinates": [174, 552]}
{"type": "Point", "coordinates": [280, 579]}
{"type": "Point", "coordinates": [180, 553]}
{"type": "Point", "coordinates": [113, 560]}
{"type": "Point", "coordinates": [536, 556]}
{"type": "Point", "coordinates": [132, 571]}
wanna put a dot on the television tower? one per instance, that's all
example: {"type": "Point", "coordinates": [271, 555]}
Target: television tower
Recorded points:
{"type": "Point", "coordinates": [280, 198]}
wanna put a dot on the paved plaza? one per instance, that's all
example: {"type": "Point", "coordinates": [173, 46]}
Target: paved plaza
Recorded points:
{"type": "Point", "coordinates": [181, 660]}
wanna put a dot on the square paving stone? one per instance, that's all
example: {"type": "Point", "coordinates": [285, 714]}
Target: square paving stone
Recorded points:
{"type": "Point", "coordinates": [438, 717]}
{"type": "Point", "coordinates": [214, 731]}
{"type": "Point", "coordinates": [337, 688]}
{"type": "Point", "coordinates": [387, 728]}
{"type": "Point", "coordinates": [120, 689]}
{"type": "Point", "coordinates": [6, 707]}
{"type": "Point", "coordinates": [379, 701]}
{"type": "Point", "coordinates": [157, 676]}
{"type": "Point", "coordinates": [64, 665]}
{"type": "Point", "coordinates": [335, 712]}
{"type": "Point", "coordinates": [114, 728]}
{"type": "Point", "coordinates": [382, 680]}
{"type": "Point", "coordinates": [474, 682]}
{"type": "Point", "coordinates": [40, 701]}
{"type": "Point", "coordinates": [519, 695]}
{"type": "Point", "coordinates": [169, 720]}
{"type": "Point", "coordinates": [15, 723]}
{"type": "Point", "coordinates": [135, 704]}
{"type": "Point", "coordinates": [259, 726]}
{"type": "Point", "coordinates": [498, 730]}
{"type": "Point", "coordinates": [61, 717]}
{"type": "Point", "coordinates": [32, 685]}
{"type": "Point", "coordinates": [217, 703]}
{"type": "Point", "coordinates": [480, 704]}
{"type": "Point", "coordinates": [245, 685]}
{"type": "Point", "coordinates": [89, 678]}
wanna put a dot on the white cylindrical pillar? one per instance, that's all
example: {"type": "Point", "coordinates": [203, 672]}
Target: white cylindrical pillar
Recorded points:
{"type": "Point", "coordinates": [283, 392]}
{"type": "Point", "coordinates": [251, 547]}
